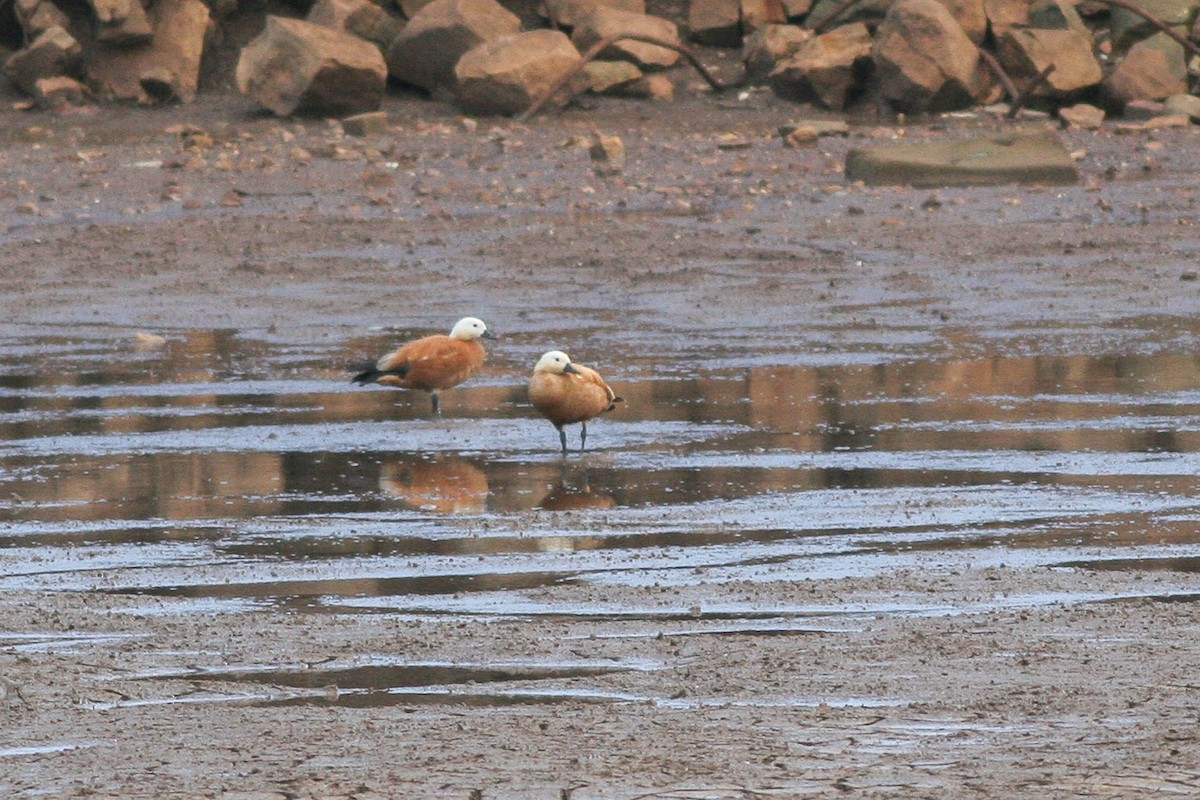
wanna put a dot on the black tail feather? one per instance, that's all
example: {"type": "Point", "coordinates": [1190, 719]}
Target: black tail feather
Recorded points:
{"type": "Point", "coordinates": [370, 375]}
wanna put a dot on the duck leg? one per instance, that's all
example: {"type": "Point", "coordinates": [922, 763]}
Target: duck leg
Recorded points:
{"type": "Point", "coordinates": [562, 437]}
{"type": "Point", "coordinates": [437, 409]}
{"type": "Point", "coordinates": [582, 436]}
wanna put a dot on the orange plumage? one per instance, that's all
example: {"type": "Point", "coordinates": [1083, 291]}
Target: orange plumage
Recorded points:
{"type": "Point", "coordinates": [567, 393]}
{"type": "Point", "coordinates": [433, 362]}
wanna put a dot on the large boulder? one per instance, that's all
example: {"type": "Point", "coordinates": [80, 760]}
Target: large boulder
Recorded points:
{"type": "Point", "coordinates": [971, 15]}
{"type": "Point", "coordinates": [826, 68]}
{"type": "Point", "coordinates": [1004, 15]}
{"type": "Point", "coordinates": [566, 13]}
{"type": "Point", "coordinates": [602, 22]}
{"type": "Point", "coordinates": [165, 68]}
{"type": "Point", "coordinates": [37, 16]}
{"type": "Point", "coordinates": [1127, 27]}
{"type": "Point", "coordinates": [862, 11]}
{"type": "Point", "coordinates": [926, 61]}
{"type": "Point", "coordinates": [295, 67]}
{"type": "Point", "coordinates": [717, 23]}
{"type": "Point", "coordinates": [505, 76]}
{"type": "Point", "coordinates": [769, 45]}
{"type": "Point", "coordinates": [1025, 52]}
{"type": "Point", "coordinates": [425, 52]}
{"type": "Point", "coordinates": [362, 18]}
{"type": "Point", "coordinates": [759, 13]}
{"type": "Point", "coordinates": [53, 53]}
{"type": "Point", "coordinates": [121, 21]}
{"type": "Point", "coordinates": [1153, 69]}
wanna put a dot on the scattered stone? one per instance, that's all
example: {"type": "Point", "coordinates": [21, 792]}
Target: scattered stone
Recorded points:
{"type": "Point", "coordinates": [1082, 115]}
{"type": "Point", "coordinates": [649, 87]}
{"type": "Point", "coordinates": [370, 123]}
{"type": "Point", "coordinates": [1187, 105]}
{"type": "Point", "coordinates": [607, 76]}
{"type": "Point", "coordinates": [1153, 69]}
{"type": "Point", "coordinates": [1034, 156]}
{"type": "Point", "coordinates": [926, 62]}
{"type": "Point", "coordinates": [796, 9]}
{"type": "Point", "coordinates": [602, 22]}
{"type": "Point", "coordinates": [359, 17]}
{"type": "Point", "coordinates": [425, 52]}
{"type": "Point", "coordinates": [121, 22]}
{"type": "Point", "coordinates": [1157, 123]}
{"type": "Point", "coordinates": [717, 23]}
{"type": "Point", "coordinates": [769, 45]}
{"type": "Point", "coordinates": [60, 92]}
{"type": "Point", "coordinates": [1142, 110]}
{"type": "Point", "coordinates": [506, 75]}
{"type": "Point", "coordinates": [295, 67]}
{"type": "Point", "coordinates": [825, 68]}
{"type": "Point", "coordinates": [54, 53]}
{"type": "Point", "coordinates": [166, 68]}
{"type": "Point", "coordinates": [568, 12]}
{"type": "Point", "coordinates": [608, 155]}
{"type": "Point", "coordinates": [820, 127]}
{"type": "Point", "coordinates": [801, 136]}
{"type": "Point", "coordinates": [1189, 275]}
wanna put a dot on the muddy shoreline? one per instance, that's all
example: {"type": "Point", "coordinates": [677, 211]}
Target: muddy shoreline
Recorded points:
{"type": "Point", "coordinates": [847, 538]}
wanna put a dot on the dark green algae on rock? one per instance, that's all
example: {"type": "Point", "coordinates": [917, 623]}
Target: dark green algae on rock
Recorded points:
{"type": "Point", "coordinates": [1019, 156]}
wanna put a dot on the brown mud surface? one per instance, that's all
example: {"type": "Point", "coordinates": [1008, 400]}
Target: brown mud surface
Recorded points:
{"type": "Point", "coordinates": [942, 635]}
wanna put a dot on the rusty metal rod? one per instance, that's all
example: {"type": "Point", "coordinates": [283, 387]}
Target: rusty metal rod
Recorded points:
{"type": "Point", "coordinates": [603, 44]}
{"type": "Point", "coordinates": [1156, 22]}
{"type": "Point", "coordinates": [993, 64]}
{"type": "Point", "coordinates": [1020, 100]}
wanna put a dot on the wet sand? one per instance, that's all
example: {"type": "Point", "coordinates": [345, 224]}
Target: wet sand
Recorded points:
{"type": "Point", "coordinates": [902, 502]}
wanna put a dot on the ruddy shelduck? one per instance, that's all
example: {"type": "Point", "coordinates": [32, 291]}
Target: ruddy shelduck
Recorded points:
{"type": "Point", "coordinates": [434, 362]}
{"type": "Point", "coordinates": [567, 393]}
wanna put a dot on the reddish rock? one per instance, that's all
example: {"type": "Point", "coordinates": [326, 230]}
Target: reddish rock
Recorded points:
{"type": "Point", "coordinates": [825, 68]}
{"type": "Point", "coordinates": [359, 17]}
{"type": "Point", "coordinates": [610, 76]}
{"type": "Point", "coordinates": [567, 12]}
{"type": "Point", "coordinates": [602, 22]}
{"type": "Point", "coordinates": [121, 22]}
{"type": "Point", "coordinates": [717, 23]}
{"type": "Point", "coordinates": [1127, 27]}
{"type": "Point", "coordinates": [295, 67]}
{"type": "Point", "coordinates": [59, 92]}
{"type": "Point", "coordinates": [1153, 69]}
{"type": "Point", "coordinates": [37, 16]}
{"type": "Point", "coordinates": [971, 15]}
{"type": "Point", "coordinates": [1025, 52]}
{"type": "Point", "coordinates": [1082, 115]}
{"type": "Point", "coordinates": [165, 68]}
{"type": "Point", "coordinates": [926, 62]}
{"type": "Point", "coordinates": [55, 52]}
{"type": "Point", "coordinates": [506, 75]}
{"type": "Point", "coordinates": [767, 46]}
{"type": "Point", "coordinates": [1004, 15]}
{"type": "Point", "coordinates": [759, 13]}
{"type": "Point", "coordinates": [425, 52]}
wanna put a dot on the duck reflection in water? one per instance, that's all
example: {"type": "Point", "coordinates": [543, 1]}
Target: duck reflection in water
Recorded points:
{"type": "Point", "coordinates": [438, 485]}
{"type": "Point", "coordinates": [576, 497]}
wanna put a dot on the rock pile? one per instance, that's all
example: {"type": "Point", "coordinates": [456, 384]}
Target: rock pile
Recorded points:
{"type": "Point", "coordinates": [915, 56]}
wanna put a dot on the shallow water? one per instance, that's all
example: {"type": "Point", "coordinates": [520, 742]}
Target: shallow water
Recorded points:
{"type": "Point", "coordinates": [229, 468]}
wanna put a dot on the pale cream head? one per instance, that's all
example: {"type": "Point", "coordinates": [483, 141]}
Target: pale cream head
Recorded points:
{"type": "Point", "coordinates": [555, 361]}
{"type": "Point", "coordinates": [468, 329]}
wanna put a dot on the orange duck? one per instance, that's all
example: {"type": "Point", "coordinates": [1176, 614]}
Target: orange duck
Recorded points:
{"type": "Point", "coordinates": [567, 393]}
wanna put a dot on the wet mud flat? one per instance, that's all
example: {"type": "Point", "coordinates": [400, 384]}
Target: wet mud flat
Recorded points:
{"type": "Point", "coordinates": [903, 500]}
